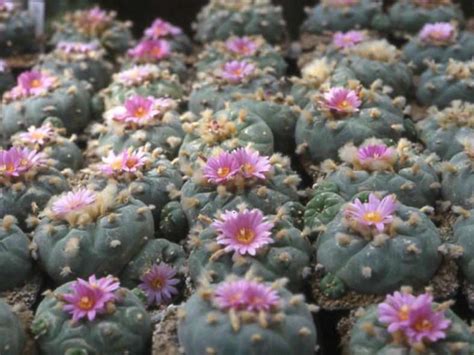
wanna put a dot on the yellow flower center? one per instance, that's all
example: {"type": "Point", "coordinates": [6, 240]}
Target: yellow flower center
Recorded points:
{"type": "Point", "coordinates": [36, 83]}
{"type": "Point", "coordinates": [116, 164]}
{"type": "Point", "coordinates": [404, 312]}
{"type": "Point", "coordinates": [140, 112]}
{"type": "Point", "coordinates": [156, 51]}
{"type": "Point", "coordinates": [157, 284]}
{"type": "Point", "coordinates": [248, 168]}
{"type": "Point", "coordinates": [86, 303]}
{"type": "Point", "coordinates": [38, 135]}
{"type": "Point", "coordinates": [344, 105]}
{"type": "Point", "coordinates": [223, 172]}
{"type": "Point", "coordinates": [374, 217]}
{"type": "Point", "coordinates": [423, 325]}
{"type": "Point", "coordinates": [245, 235]}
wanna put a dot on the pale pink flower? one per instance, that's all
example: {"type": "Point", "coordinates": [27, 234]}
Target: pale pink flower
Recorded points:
{"type": "Point", "coordinates": [376, 212]}
{"type": "Point", "coordinates": [342, 40]}
{"type": "Point", "coordinates": [159, 284]}
{"type": "Point", "coordinates": [251, 163]}
{"type": "Point", "coordinates": [73, 201]}
{"type": "Point", "coordinates": [374, 152]}
{"type": "Point", "coordinates": [151, 50]}
{"type": "Point", "coordinates": [32, 83]}
{"type": "Point", "coordinates": [237, 71]}
{"type": "Point", "coordinates": [37, 135]}
{"type": "Point", "coordinates": [440, 32]}
{"type": "Point", "coordinates": [97, 16]}
{"type": "Point", "coordinates": [16, 161]}
{"type": "Point", "coordinates": [161, 28]}
{"type": "Point", "coordinates": [395, 310]}
{"type": "Point", "coordinates": [137, 75]}
{"type": "Point", "coordinates": [77, 47]}
{"type": "Point", "coordinates": [127, 161]}
{"type": "Point", "coordinates": [342, 100]}
{"type": "Point", "coordinates": [221, 169]}
{"type": "Point", "coordinates": [139, 110]}
{"type": "Point", "coordinates": [243, 46]}
{"type": "Point", "coordinates": [6, 6]}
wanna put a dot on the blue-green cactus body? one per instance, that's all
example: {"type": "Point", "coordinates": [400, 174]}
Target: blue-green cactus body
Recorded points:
{"type": "Point", "coordinates": [12, 335]}
{"type": "Point", "coordinates": [462, 236]}
{"type": "Point", "coordinates": [457, 180]}
{"type": "Point", "coordinates": [17, 33]}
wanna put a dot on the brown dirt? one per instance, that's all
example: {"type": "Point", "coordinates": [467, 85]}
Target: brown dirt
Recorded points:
{"type": "Point", "coordinates": [165, 337]}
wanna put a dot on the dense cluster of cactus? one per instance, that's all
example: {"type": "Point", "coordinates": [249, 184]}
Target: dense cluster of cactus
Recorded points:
{"type": "Point", "coordinates": [208, 198]}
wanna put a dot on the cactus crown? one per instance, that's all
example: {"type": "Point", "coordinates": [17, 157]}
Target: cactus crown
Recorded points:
{"type": "Point", "coordinates": [339, 3]}
{"type": "Point", "coordinates": [77, 51]}
{"type": "Point", "coordinates": [238, 5]}
{"type": "Point", "coordinates": [460, 70]}
{"type": "Point", "coordinates": [459, 114]}
{"type": "Point", "coordinates": [32, 84]}
{"type": "Point", "coordinates": [431, 3]}
{"type": "Point", "coordinates": [141, 74]}
{"type": "Point", "coordinates": [378, 50]}
{"type": "Point", "coordinates": [91, 22]}
{"type": "Point", "coordinates": [318, 71]}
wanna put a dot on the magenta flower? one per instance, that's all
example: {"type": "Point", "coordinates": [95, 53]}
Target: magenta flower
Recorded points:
{"type": "Point", "coordinates": [342, 40]}
{"type": "Point", "coordinates": [39, 135]}
{"type": "Point", "coordinates": [440, 32]}
{"type": "Point", "coordinates": [15, 161]}
{"type": "Point", "coordinates": [342, 100]}
{"type": "Point", "coordinates": [138, 110]}
{"type": "Point", "coordinates": [222, 168]}
{"type": "Point", "coordinates": [76, 47]}
{"type": "Point", "coordinates": [73, 201]}
{"type": "Point", "coordinates": [237, 71]}
{"type": "Point", "coordinates": [243, 46]}
{"type": "Point", "coordinates": [127, 161]}
{"type": "Point", "coordinates": [395, 310]}
{"type": "Point", "coordinates": [9, 164]}
{"type": "Point", "coordinates": [376, 212]}
{"type": "Point", "coordinates": [374, 152]}
{"type": "Point", "coordinates": [161, 28]}
{"type": "Point", "coordinates": [136, 75]}
{"type": "Point", "coordinates": [251, 163]}
{"type": "Point", "coordinates": [151, 50]}
{"type": "Point", "coordinates": [32, 83]}
{"type": "Point", "coordinates": [244, 295]}
{"type": "Point", "coordinates": [243, 232]}
{"type": "Point", "coordinates": [159, 284]}
{"type": "Point", "coordinates": [90, 298]}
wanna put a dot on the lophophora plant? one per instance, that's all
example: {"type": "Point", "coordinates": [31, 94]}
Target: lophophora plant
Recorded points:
{"type": "Point", "coordinates": [94, 24]}
{"type": "Point", "coordinates": [221, 19]}
{"type": "Point", "coordinates": [148, 176]}
{"type": "Point", "coordinates": [377, 246]}
{"type": "Point", "coordinates": [341, 15]}
{"type": "Point", "coordinates": [16, 264]}
{"type": "Point", "coordinates": [39, 95]}
{"type": "Point", "coordinates": [138, 121]}
{"type": "Point", "coordinates": [84, 232]}
{"type": "Point", "coordinates": [7, 81]}
{"type": "Point", "coordinates": [441, 84]}
{"type": "Point", "coordinates": [439, 42]}
{"type": "Point", "coordinates": [17, 31]}
{"type": "Point", "coordinates": [93, 315]}
{"type": "Point", "coordinates": [51, 140]}
{"type": "Point", "coordinates": [12, 334]}
{"type": "Point", "coordinates": [245, 240]}
{"type": "Point", "coordinates": [443, 131]}
{"type": "Point", "coordinates": [379, 60]}
{"type": "Point", "coordinates": [27, 182]}
{"type": "Point", "coordinates": [229, 82]}
{"type": "Point", "coordinates": [457, 176]}
{"type": "Point", "coordinates": [227, 129]}
{"type": "Point", "coordinates": [142, 80]}
{"type": "Point", "coordinates": [346, 114]}
{"type": "Point", "coordinates": [85, 61]}
{"type": "Point", "coordinates": [158, 52]}
{"type": "Point", "coordinates": [241, 316]}
{"type": "Point", "coordinates": [161, 29]}
{"type": "Point", "coordinates": [242, 176]}
{"type": "Point", "coordinates": [251, 48]}
{"type": "Point", "coordinates": [407, 17]}
{"type": "Point", "coordinates": [405, 323]}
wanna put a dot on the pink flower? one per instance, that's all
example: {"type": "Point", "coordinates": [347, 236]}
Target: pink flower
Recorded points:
{"type": "Point", "coordinates": [440, 32]}
{"type": "Point", "coordinates": [151, 50]}
{"type": "Point", "coordinates": [73, 201]}
{"type": "Point", "coordinates": [9, 164]}
{"type": "Point", "coordinates": [342, 40]}
{"type": "Point", "coordinates": [243, 232]}
{"type": "Point", "coordinates": [237, 71]}
{"type": "Point", "coordinates": [376, 212]}
{"type": "Point", "coordinates": [374, 152]}
{"type": "Point", "coordinates": [159, 284]}
{"type": "Point", "coordinates": [32, 83]}
{"type": "Point", "coordinates": [15, 161]}
{"type": "Point", "coordinates": [161, 28]}
{"type": "Point", "coordinates": [77, 47]}
{"type": "Point", "coordinates": [127, 161]}
{"type": "Point", "coordinates": [139, 110]}
{"type": "Point", "coordinates": [243, 46]}
{"type": "Point", "coordinates": [97, 16]}
{"type": "Point", "coordinates": [244, 295]}
{"type": "Point", "coordinates": [6, 6]}
{"type": "Point", "coordinates": [342, 100]}
{"type": "Point", "coordinates": [221, 169]}
{"type": "Point", "coordinates": [90, 298]}
{"type": "Point", "coordinates": [251, 163]}
{"type": "Point", "coordinates": [136, 75]}
{"type": "Point", "coordinates": [395, 311]}
{"type": "Point", "coordinates": [39, 135]}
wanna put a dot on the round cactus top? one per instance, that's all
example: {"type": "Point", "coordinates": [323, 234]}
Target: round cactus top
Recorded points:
{"type": "Point", "coordinates": [92, 21]}
{"type": "Point", "coordinates": [78, 50]}
{"type": "Point", "coordinates": [341, 101]}
{"type": "Point", "coordinates": [37, 135]}
{"type": "Point", "coordinates": [242, 46]}
{"type": "Point", "coordinates": [161, 29]}
{"type": "Point", "coordinates": [17, 162]}
{"type": "Point", "coordinates": [139, 74]}
{"type": "Point", "coordinates": [236, 72]}
{"type": "Point", "coordinates": [342, 40]}
{"type": "Point", "coordinates": [415, 318]}
{"type": "Point", "coordinates": [151, 50]}
{"type": "Point", "coordinates": [440, 33]}
{"type": "Point", "coordinates": [30, 84]}
{"type": "Point", "coordinates": [159, 284]}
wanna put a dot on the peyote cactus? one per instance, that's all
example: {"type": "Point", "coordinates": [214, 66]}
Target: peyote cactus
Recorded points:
{"type": "Point", "coordinates": [409, 16]}
{"type": "Point", "coordinates": [12, 335]}
{"type": "Point", "coordinates": [443, 131]}
{"type": "Point", "coordinates": [441, 84]}
{"type": "Point", "coordinates": [139, 121]}
{"type": "Point", "coordinates": [85, 61]}
{"type": "Point", "coordinates": [241, 241]}
{"type": "Point", "coordinates": [439, 42]}
{"type": "Point", "coordinates": [241, 177]}
{"type": "Point", "coordinates": [178, 40]}
{"type": "Point", "coordinates": [408, 324]}
{"type": "Point", "coordinates": [7, 81]}
{"type": "Point", "coordinates": [462, 236]}
{"type": "Point", "coordinates": [17, 31]}
{"type": "Point", "coordinates": [341, 15]}
{"type": "Point", "coordinates": [230, 82]}
{"type": "Point", "coordinates": [94, 25]}
{"type": "Point", "coordinates": [50, 140]}
{"type": "Point", "coordinates": [246, 317]}
{"type": "Point", "coordinates": [106, 319]}
{"type": "Point", "coordinates": [144, 80]}
{"type": "Point", "coordinates": [27, 182]}
{"type": "Point", "coordinates": [346, 115]}
{"type": "Point", "coordinates": [84, 232]}
{"type": "Point", "coordinates": [39, 95]}
{"type": "Point", "coordinates": [221, 19]}
{"type": "Point", "coordinates": [227, 129]}
{"type": "Point", "coordinates": [252, 48]}
{"type": "Point", "coordinates": [457, 177]}
{"type": "Point", "coordinates": [377, 246]}
{"type": "Point", "coordinates": [15, 261]}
